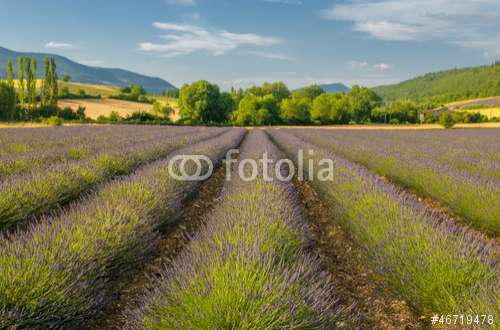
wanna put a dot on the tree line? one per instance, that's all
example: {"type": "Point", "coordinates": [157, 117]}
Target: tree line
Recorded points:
{"type": "Point", "coordinates": [273, 103]}
{"type": "Point", "coordinates": [21, 98]}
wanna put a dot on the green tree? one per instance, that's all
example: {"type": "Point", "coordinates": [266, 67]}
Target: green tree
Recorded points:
{"type": "Point", "coordinates": [66, 78]}
{"type": "Point", "coordinates": [20, 80]}
{"type": "Point", "coordinates": [10, 74]}
{"type": "Point", "coordinates": [162, 110]}
{"type": "Point", "coordinates": [363, 100]}
{"type": "Point", "coordinates": [256, 110]}
{"type": "Point", "coordinates": [7, 101]}
{"type": "Point", "coordinates": [32, 87]}
{"type": "Point", "coordinates": [137, 90]}
{"type": "Point", "coordinates": [46, 89]}
{"type": "Point", "coordinates": [331, 109]}
{"type": "Point", "coordinates": [295, 110]}
{"type": "Point", "coordinates": [54, 89]}
{"type": "Point", "coordinates": [201, 103]}
{"type": "Point", "coordinates": [311, 92]}
{"type": "Point", "coordinates": [277, 89]}
{"type": "Point", "coordinates": [446, 120]}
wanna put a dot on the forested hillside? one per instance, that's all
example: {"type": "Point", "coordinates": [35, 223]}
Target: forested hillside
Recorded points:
{"type": "Point", "coordinates": [447, 86]}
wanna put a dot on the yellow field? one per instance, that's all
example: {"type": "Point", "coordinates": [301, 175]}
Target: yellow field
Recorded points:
{"type": "Point", "coordinates": [397, 127]}
{"type": "Point", "coordinates": [103, 107]}
{"type": "Point", "coordinates": [460, 103]}
{"type": "Point", "coordinates": [90, 89]}
{"type": "Point", "coordinates": [488, 112]}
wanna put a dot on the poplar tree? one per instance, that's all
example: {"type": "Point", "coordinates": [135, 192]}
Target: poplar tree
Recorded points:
{"type": "Point", "coordinates": [29, 80]}
{"type": "Point", "coordinates": [10, 74]}
{"type": "Point", "coordinates": [53, 83]}
{"type": "Point", "coordinates": [46, 90]}
{"type": "Point", "coordinates": [33, 70]}
{"type": "Point", "coordinates": [20, 77]}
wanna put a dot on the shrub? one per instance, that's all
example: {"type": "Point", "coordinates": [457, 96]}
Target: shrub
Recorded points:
{"type": "Point", "coordinates": [54, 121]}
{"type": "Point", "coordinates": [162, 110]}
{"type": "Point", "coordinates": [446, 120]}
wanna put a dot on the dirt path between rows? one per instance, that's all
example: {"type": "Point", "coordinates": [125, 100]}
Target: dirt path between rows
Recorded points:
{"type": "Point", "coordinates": [354, 281]}
{"type": "Point", "coordinates": [171, 242]}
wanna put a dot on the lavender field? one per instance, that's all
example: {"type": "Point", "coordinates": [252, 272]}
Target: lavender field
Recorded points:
{"type": "Point", "coordinates": [97, 231]}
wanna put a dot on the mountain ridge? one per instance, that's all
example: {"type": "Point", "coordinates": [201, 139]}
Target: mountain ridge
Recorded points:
{"type": "Point", "coordinates": [82, 73]}
{"type": "Point", "coordinates": [447, 85]}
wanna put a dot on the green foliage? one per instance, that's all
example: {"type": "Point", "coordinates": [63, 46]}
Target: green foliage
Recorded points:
{"type": "Point", "coordinates": [20, 80]}
{"type": "Point", "coordinates": [8, 99]}
{"type": "Point", "coordinates": [114, 117]}
{"type": "Point", "coordinates": [10, 74]}
{"type": "Point", "coordinates": [277, 89]}
{"type": "Point", "coordinates": [311, 92]}
{"type": "Point", "coordinates": [203, 103]}
{"type": "Point", "coordinates": [173, 93]}
{"type": "Point", "coordinates": [162, 110]}
{"type": "Point", "coordinates": [331, 109]}
{"type": "Point", "coordinates": [362, 101]}
{"type": "Point", "coordinates": [469, 117]}
{"type": "Point", "coordinates": [447, 86]}
{"type": "Point", "coordinates": [257, 110]}
{"type": "Point", "coordinates": [295, 110]}
{"type": "Point", "coordinates": [66, 78]}
{"type": "Point", "coordinates": [54, 121]}
{"type": "Point", "coordinates": [446, 120]}
{"type": "Point", "coordinates": [133, 93]}
{"type": "Point", "coordinates": [401, 111]}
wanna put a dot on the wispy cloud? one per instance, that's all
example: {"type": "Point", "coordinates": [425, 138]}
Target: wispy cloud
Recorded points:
{"type": "Point", "coordinates": [363, 65]}
{"type": "Point", "coordinates": [181, 2]}
{"type": "Point", "coordinates": [185, 39]}
{"type": "Point", "coordinates": [269, 55]}
{"type": "Point", "coordinates": [59, 45]}
{"type": "Point", "coordinates": [285, 2]}
{"type": "Point", "coordinates": [382, 67]}
{"type": "Point", "coordinates": [467, 23]}
{"type": "Point", "coordinates": [357, 65]}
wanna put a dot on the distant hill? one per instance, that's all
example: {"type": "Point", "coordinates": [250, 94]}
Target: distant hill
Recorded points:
{"type": "Point", "coordinates": [335, 88]}
{"type": "Point", "coordinates": [87, 74]}
{"type": "Point", "coordinates": [447, 86]}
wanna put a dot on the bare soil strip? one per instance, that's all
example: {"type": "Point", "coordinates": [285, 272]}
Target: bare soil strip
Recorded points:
{"type": "Point", "coordinates": [356, 284]}
{"type": "Point", "coordinates": [171, 242]}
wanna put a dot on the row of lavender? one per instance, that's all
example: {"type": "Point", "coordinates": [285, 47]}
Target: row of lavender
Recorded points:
{"type": "Point", "coordinates": [22, 141]}
{"type": "Point", "coordinates": [36, 152]}
{"type": "Point", "coordinates": [43, 189]}
{"type": "Point", "coordinates": [460, 168]}
{"type": "Point", "coordinates": [436, 266]}
{"type": "Point", "coordinates": [247, 268]}
{"type": "Point", "coordinates": [60, 272]}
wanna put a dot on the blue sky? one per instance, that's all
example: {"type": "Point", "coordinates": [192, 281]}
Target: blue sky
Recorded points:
{"type": "Point", "coordinates": [244, 42]}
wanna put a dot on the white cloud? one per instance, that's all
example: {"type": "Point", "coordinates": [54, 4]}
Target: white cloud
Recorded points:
{"type": "Point", "coordinates": [382, 67]}
{"type": "Point", "coordinates": [268, 55]}
{"type": "Point", "coordinates": [186, 39]}
{"type": "Point", "coordinates": [59, 45]}
{"type": "Point", "coordinates": [363, 65]}
{"type": "Point", "coordinates": [358, 65]}
{"type": "Point", "coordinates": [181, 2]}
{"type": "Point", "coordinates": [466, 23]}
